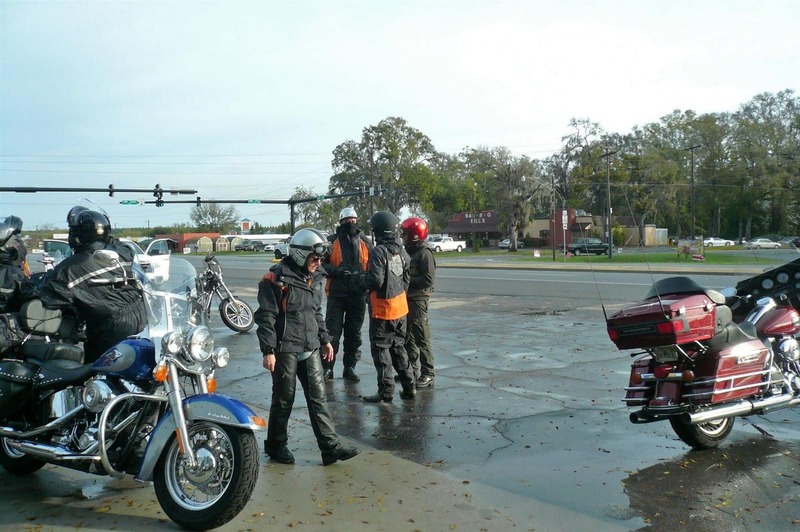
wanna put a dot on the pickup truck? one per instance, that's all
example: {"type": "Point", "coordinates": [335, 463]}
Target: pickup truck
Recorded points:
{"type": "Point", "coordinates": [588, 245]}
{"type": "Point", "coordinates": [447, 244]}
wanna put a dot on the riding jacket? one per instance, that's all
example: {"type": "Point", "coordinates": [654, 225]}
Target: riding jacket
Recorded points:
{"type": "Point", "coordinates": [387, 279]}
{"type": "Point", "coordinates": [289, 315]}
{"type": "Point", "coordinates": [349, 256]}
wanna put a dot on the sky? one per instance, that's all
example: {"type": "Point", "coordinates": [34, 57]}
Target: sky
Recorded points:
{"type": "Point", "coordinates": [247, 100]}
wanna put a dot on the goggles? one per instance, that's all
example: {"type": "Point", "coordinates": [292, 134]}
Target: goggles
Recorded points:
{"type": "Point", "coordinates": [321, 248]}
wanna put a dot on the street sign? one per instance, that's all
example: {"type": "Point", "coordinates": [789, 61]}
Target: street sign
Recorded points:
{"type": "Point", "coordinates": [129, 202]}
{"type": "Point", "coordinates": [254, 201]}
{"type": "Point", "coordinates": [320, 198]}
{"type": "Point", "coordinates": [564, 218]}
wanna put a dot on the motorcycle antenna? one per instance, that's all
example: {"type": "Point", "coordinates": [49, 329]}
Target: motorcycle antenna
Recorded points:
{"type": "Point", "coordinates": [646, 258]}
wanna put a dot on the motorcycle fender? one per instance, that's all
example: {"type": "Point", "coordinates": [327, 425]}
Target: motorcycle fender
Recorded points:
{"type": "Point", "coordinates": [202, 407]}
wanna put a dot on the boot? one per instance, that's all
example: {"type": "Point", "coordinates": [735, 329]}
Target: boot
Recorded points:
{"type": "Point", "coordinates": [409, 392]}
{"type": "Point", "coordinates": [281, 455]}
{"type": "Point", "coordinates": [339, 454]}
{"type": "Point", "coordinates": [377, 398]}
{"type": "Point", "coordinates": [350, 374]}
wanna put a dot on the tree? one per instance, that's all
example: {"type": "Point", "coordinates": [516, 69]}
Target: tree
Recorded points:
{"type": "Point", "coordinates": [323, 215]}
{"type": "Point", "coordinates": [391, 156]}
{"type": "Point", "coordinates": [214, 218]}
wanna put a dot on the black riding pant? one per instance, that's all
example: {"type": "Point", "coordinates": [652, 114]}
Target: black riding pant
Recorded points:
{"type": "Point", "coordinates": [345, 314]}
{"type": "Point", "coordinates": [418, 339]}
{"type": "Point", "coordinates": [284, 383]}
{"type": "Point", "coordinates": [387, 339]}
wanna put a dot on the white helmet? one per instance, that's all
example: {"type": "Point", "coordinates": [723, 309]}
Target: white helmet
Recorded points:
{"type": "Point", "coordinates": [347, 212]}
{"type": "Point", "coordinates": [305, 242]}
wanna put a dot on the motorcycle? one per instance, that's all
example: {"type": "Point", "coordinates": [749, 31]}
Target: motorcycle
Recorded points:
{"type": "Point", "coordinates": [235, 313]}
{"type": "Point", "coordinates": [705, 358]}
{"type": "Point", "coordinates": [146, 407]}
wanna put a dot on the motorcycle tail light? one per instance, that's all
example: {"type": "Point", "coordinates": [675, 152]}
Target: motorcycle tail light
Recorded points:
{"type": "Point", "coordinates": [669, 327]}
{"type": "Point", "coordinates": [636, 378]}
{"type": "Point", "coordinates": [613, 334]}
{"type": "Point", "coordinates": [662, 371]}
{"type": "Point", "coordinates": [688, 376]}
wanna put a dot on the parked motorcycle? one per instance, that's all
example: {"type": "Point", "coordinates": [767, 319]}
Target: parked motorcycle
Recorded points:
{"type": "Point", "coordinates": [235, 313]}
{"type": "Point", "coordinates": [704, 358]}
{"type": "Point", "coordinates": [146, 407]}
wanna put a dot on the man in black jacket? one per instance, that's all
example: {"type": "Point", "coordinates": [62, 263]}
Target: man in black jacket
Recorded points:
{"type": "Point", "coordinates": [112, 312]}
{"type": "Point", "coordinates": [347, 300]}
{"type": "Point", "coordinates": [420, 288]}
{"type": "Point", "coordinates": [291, 334]}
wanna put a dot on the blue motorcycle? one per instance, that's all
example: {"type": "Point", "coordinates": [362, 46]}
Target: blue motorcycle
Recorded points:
{"type": "Point", "coordinates": [146, 407]}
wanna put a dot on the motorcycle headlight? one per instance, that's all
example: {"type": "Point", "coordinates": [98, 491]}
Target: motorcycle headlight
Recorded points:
{"type": "Point", "coordinates": [199, 343]}
{"type": "Point", "coordinates": [221, 357]}
{"type": "Point", "coordinates": [171, 343]}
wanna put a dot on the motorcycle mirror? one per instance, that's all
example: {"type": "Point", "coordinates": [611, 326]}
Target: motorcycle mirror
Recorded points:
{"type": "Point", "coordinates": [728, 292]}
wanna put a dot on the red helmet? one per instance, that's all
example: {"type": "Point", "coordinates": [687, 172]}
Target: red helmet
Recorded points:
{"type": "Point", "coordinates": [414, 229]}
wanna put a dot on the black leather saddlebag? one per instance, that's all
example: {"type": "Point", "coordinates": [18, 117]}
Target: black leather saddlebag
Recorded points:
{"type": "Point", "coordinates": [16, 386]}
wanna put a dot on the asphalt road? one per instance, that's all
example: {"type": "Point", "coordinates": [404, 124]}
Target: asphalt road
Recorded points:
{"type": "Point", "coordinates": [524, 430]}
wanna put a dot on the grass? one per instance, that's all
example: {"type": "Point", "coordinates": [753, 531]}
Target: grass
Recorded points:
{"type": "Point", "coordinates": [712, 256]}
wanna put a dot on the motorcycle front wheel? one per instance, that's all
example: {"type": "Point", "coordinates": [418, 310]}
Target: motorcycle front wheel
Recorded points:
{"type": "Point", "coordinates": [236, 314]}
{"type": "Point", "coordinates": [703, 436]}
{"type": "Point", "coordinates": [215, 491]}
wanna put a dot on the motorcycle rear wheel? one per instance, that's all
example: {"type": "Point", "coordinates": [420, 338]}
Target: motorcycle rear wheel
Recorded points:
{"type": "Point", "coordinates": [18, 463]}
{"type": "Point", "coordinates": [216, 491]}
{"type": "Point", "coordinates": [236, 314]}
{"type": "Point", "coordinates": [703, 436]}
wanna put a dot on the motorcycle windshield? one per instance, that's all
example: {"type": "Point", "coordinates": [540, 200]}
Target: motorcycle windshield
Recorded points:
{"type": "Point", "coordinates": [172, 305]}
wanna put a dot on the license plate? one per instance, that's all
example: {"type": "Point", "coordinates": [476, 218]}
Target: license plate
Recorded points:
{"type": "Point", "coordinates": [665, 354]}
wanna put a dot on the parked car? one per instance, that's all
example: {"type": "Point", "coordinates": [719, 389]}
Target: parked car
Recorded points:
{"type": "Point", "coordinates": [448, 244]}
{"type": "Point", "coordinates": [788, 242]}
{"type": "Point", "coordinates": [504, 244]}
{"type": "Point", "coordinates": [282, 248]}
{"type": "Point", "coordinates": [588, 245]}
{"type": "Point", "coordinates": [250, 245]}
{"type": "Point", "coordinates": [154, 261]}
{"type": "Point", "coordinates": [716, 241]}
{"type": "Point", "coordinates": [761, 243]}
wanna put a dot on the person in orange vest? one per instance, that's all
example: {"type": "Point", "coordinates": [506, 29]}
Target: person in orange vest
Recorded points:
{"type": "Point", "coordinates": [387, 280]}
{"type": "Point", "coordinates": [347, 301]}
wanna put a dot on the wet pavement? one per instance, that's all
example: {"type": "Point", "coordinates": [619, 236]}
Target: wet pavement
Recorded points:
{"type": "Point", "coordinates": [524, 430]}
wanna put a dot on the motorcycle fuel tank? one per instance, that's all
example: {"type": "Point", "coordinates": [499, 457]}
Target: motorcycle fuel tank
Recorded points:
{"type": "Point", "coordinates": [779, 321]}
{"type": "Point", "coordinates": [133, 358]}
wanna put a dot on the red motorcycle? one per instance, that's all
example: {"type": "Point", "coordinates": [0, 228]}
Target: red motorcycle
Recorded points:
{"type": "Point", "coordinates": [704, 358]}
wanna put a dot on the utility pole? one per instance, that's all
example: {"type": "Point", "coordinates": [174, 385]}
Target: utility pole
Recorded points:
{"type": "Point", "coordinates": [691, 149]}
{"type": "Point", "coordinates": [606, 155]}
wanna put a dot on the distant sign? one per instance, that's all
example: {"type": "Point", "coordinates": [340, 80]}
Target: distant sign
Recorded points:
{"type": "Point", "coordinates": [129, 202]}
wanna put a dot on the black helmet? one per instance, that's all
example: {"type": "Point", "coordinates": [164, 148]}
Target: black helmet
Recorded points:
{"type": "Point", "coordinates": [72, 215]}
{"type": "Point", "coordinates": [384, 223]}
{"type": "Point", "coordinates": [91, 226]}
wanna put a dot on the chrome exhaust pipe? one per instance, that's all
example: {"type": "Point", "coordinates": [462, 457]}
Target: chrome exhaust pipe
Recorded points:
{"type": "Point", "coordinates": [48, 452]}
{"type": "Point", "coordinates": [640, 417]}
{"type": "Point", "coordinates": [743, 408]}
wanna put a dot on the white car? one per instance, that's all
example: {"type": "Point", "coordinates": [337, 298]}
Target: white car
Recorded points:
{"type": "Point", "coordinates": [154, 261]}
{"type": "Point", "coordinates": [716, 241]}
{"type": "Point", "coordinates": [504, 244]}
{"type": "Point", "coordinates": [761, 243]}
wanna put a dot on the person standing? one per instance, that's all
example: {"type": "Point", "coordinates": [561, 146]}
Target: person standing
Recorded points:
{"type": "Point", "coordinates": [420, 288]}
{"type": "Point", "coordinates": [347, 303]}
{"type": "Point", "coordinates": [111, 311]}
{"type": "Point", "coordinates": [291, 334]}
{"type": "Point", "coordinates": [387, 279]}
{"type": "Point", "coordinates": [15, 287]}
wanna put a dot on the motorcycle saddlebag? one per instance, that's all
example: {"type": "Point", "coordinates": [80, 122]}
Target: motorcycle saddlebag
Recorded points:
{"type": "Point", "coordinates": [671, 319]}
{"type": "Point", "coordinates": [16, 386]}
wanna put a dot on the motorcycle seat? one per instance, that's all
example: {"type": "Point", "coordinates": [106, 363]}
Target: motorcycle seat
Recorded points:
{"type": "Point", "coordinates": [58, 374]}
{"type": "Point", "coordinates": [732, 334]}
{"type": "Point", "coordinates": [39, 351]}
